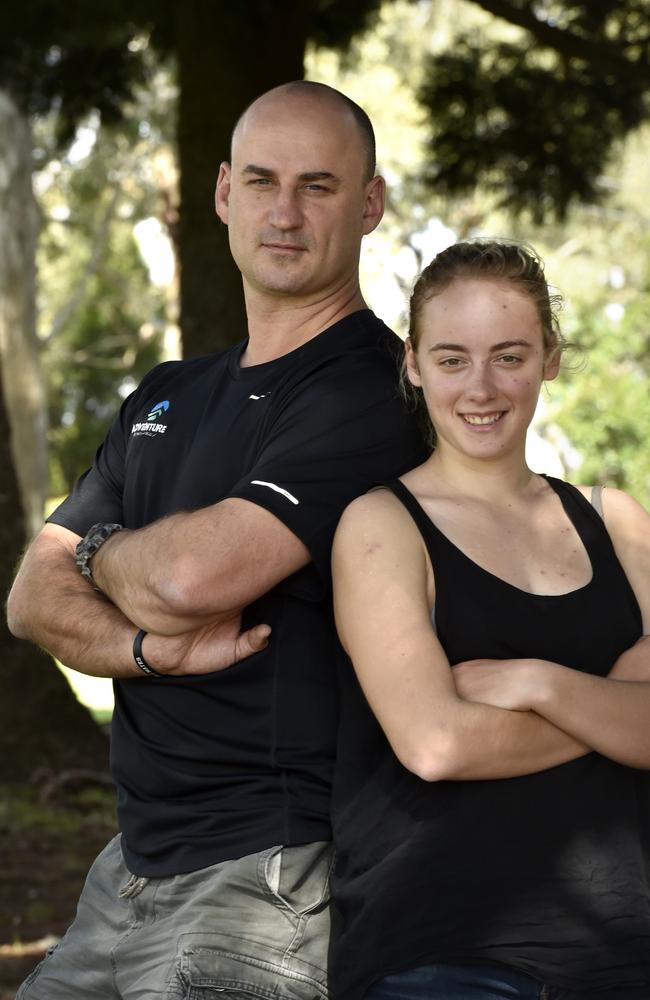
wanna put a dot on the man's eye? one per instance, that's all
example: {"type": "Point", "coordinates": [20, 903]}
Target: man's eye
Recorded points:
{"type": "Point", "coordinates": [259, 181]}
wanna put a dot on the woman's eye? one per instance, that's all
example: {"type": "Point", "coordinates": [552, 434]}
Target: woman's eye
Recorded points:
{"type": "Point", "coordinates": [510, 359]}
{"type": "Point", "coordinates": [451, 362]}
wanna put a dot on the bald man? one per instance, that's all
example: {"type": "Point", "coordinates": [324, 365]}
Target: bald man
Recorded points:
{"type": "Point", "coordinates": [191, 564]}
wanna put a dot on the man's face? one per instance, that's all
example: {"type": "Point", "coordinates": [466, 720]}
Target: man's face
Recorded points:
{"type": "Point", "coordinates": [295, 197]}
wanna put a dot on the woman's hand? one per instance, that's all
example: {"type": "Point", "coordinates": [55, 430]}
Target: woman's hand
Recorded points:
{"type": "Point", "coordinates": [515, 684]}
{"type": "Point", "coordinates": [634, 663]}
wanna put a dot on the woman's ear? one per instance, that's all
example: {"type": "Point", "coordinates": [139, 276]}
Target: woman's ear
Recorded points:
{"type": "Point", "coordinates": [412, 367]}
{"type": "Point", "coordinates": [552, 364]}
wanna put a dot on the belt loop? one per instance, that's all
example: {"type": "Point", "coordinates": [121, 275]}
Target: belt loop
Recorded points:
{"type": "Point", "coordinates": [133, 887]}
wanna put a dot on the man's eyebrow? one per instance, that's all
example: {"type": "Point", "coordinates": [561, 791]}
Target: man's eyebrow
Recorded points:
{"type": "Point", "coordinates": [251, 168]}
{"type": "Point", "coordinates": [310, 175]}
{"type": "Point", "coordinates": [319, 175]}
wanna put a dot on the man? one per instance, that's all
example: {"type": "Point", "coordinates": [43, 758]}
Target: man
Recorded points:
{"type": "Point", "coordinates": [228, 474]}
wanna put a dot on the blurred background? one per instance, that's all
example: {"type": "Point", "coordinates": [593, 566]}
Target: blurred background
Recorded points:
{"type": "Point", "coordinates": [493, 117]}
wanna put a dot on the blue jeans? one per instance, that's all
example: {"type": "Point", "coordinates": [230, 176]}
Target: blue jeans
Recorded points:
{"type": "Point", "coordinates": [480, 982]}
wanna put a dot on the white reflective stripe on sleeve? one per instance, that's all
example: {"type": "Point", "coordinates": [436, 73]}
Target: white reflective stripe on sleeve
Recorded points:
{"type": "Point", "coordinates": [278, 489]}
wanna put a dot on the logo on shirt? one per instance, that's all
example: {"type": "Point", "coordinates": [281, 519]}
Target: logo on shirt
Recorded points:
{"type": "Point", "coordinates": [152, 425]}
{"type": "Point", "coordinates": [157, 411]}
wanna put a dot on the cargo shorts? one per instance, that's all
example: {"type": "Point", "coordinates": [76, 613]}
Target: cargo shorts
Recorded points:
{"type": "Point", "coordinates": [257, 926]}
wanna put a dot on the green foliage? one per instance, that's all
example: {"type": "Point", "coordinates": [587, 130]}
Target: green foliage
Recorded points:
{"type": "Point", "coordinates": [536, 119]}
{"type": "Point", "coordinates": [23, 811]}
{"type": "Point", "coordinates": [101, 318]}
{"type": "Point", "coordinates": [72, 57]}
{"type": "Point", "coordinates": [605, 408]}
{"type": "Point", "coordinates": [102, 354]}
{"type": "Point", "coordinates": [334, 24]}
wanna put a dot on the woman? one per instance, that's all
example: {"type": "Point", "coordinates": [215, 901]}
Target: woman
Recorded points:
{"type": "Point", "coordinates": [492, 820]}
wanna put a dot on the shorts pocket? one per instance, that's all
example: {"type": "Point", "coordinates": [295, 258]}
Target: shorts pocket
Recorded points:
{"type": "Point", "coordinates": [298, 877]}
{"type": "Point", "coordinates": [34, 974]}
{"type": "Point", "coordinates": [205, 973]}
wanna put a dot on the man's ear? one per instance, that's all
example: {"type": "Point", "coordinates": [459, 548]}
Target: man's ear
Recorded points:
{"type": "Point", "coordinates": [373, 209]}
{"type": "Point", "coordinates": [412, 367]}
{"type": "Point", "coordinates": [222, 194]}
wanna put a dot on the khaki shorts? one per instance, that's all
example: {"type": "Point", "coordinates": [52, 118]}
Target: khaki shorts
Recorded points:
{"type": "Point", "coordinates": [258, 926]}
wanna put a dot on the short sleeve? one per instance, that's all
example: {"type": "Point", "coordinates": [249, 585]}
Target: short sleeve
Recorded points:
{"type": "Point", "coordinates": [98, 493]}
{"type": "Point", "coordinates": [344, 432]}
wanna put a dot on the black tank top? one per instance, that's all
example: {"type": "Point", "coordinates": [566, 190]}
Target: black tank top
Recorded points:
{"type": "Point", "coordinates": [546, 873]}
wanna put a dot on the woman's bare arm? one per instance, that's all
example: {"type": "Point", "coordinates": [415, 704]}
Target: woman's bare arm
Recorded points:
{"type": "Point", "coordinates": [382, 593]}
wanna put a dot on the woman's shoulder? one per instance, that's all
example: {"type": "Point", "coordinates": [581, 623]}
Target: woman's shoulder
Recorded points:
{"type": "Point", "coordinates": [627, 522]}
{"type": "Point", "coordinates": [374, 508]}
{"type": "Point", "coordinates": [376, 521]}
{"type": "Point", "coordinates": [618, 506]}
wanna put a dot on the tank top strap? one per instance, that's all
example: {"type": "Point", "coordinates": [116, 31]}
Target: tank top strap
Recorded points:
{"type": "Point", "coordinates": [432, 535]}
{"type": "Point", "coordinates": [588, 523]}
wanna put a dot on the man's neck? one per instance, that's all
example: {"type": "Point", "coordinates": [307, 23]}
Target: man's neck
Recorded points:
{"type": "Point", "coordinates": [278, 326]}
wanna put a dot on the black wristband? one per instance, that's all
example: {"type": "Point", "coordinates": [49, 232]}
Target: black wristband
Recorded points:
{"type": "Point", "coordinates": [139, 658]}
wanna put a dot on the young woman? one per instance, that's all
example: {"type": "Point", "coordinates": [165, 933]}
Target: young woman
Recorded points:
{"type": "Point", "coordinates": [492, 805]}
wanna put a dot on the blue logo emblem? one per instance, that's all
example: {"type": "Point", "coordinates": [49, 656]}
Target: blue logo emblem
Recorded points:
{"type": "Point", "coordinates": [157, 411]}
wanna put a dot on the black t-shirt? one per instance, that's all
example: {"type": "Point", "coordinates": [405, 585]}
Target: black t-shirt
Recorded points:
{"type": "Point", "coordinates": [217, 766]}
{"type": "Point", "coordinates": [547, 873]}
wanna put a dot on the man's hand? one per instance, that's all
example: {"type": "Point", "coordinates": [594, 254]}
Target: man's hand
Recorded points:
{"type": "Point", "coordinates": [217, 560]}
{"type": "Point", "coordinates": [206, 650]}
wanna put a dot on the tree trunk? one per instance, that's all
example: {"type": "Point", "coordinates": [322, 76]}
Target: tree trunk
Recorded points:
{"type": "Point", "coordinates": [41, 722]}
{"type": "Point", "coordinates": [256, 47]}
{"type": "Point", "coordinates": [23, 381]}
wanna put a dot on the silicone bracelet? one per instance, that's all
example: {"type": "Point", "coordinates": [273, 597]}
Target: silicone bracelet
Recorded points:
{"type": "Point", "coordinates": [145, 667]}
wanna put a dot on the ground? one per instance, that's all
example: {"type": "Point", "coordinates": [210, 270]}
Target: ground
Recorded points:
{"type": "Point", "coordinates": [49, 835]}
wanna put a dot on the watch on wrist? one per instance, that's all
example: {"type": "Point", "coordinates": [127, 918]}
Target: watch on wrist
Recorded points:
{"type": "Point", "coordinates": [93, 540]}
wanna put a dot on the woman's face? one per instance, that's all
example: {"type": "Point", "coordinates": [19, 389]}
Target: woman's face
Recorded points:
{"type": "Point", "coordinates": [480, 362]}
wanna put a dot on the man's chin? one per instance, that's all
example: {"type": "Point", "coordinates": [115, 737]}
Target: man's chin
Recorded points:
{"type": "Point", "coordinates": [279, 281]}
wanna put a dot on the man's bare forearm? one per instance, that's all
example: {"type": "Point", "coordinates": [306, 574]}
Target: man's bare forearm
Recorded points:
{"type": "Point", "coordinates": [52, 605]}
{"type": "Point", "coordinates": [192, 569]}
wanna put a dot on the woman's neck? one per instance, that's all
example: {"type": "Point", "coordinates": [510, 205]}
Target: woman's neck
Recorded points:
{"type": "Point", "coordinates": [493, 480]}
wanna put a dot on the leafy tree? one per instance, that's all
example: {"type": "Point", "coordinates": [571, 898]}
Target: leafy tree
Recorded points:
{"type": "Point", "coordinates": [605, 407]}
{"type": "Point", "coordinates": [102, 319]}
{"type": "Point", "coordinates": [537, 119]}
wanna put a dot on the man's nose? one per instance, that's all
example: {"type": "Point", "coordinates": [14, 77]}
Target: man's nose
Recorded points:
{"type": "Point", "coordinates": [285, 210]}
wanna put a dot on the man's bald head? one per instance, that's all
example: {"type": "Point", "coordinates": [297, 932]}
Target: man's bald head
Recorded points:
{"type": "Point", "coordinates": [318, 92]}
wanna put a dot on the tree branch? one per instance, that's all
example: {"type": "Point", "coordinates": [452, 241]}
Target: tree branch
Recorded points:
{"type": "Point", "coordinates": [69, 307]}
{"type": "Point", "coordinates": [566, 42]}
